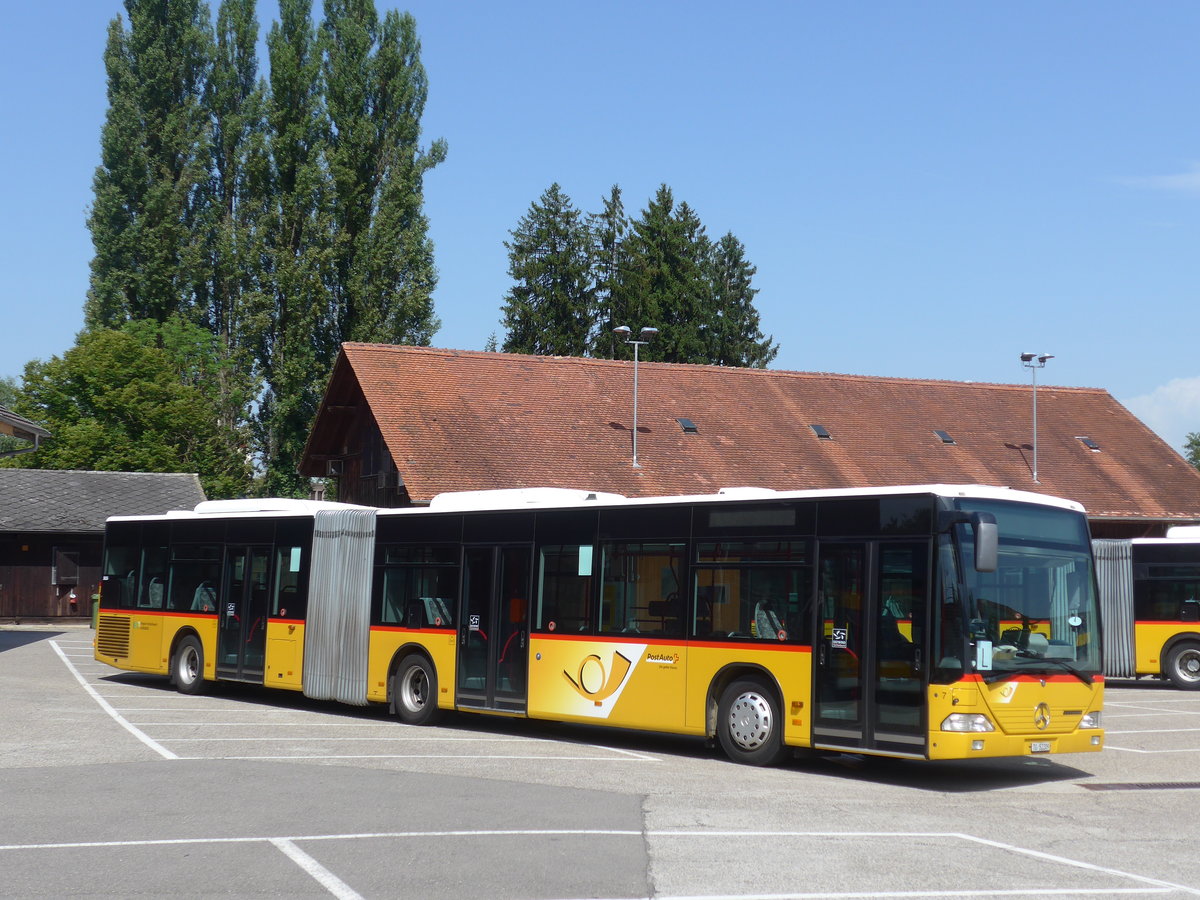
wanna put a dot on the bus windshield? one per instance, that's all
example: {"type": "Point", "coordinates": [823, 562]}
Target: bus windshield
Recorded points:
{"type": "Point", "coordinates": [1036, 614]}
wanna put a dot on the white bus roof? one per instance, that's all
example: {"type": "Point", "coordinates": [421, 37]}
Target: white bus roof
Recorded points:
{"type": "Point", "coordinates": [566, 498]}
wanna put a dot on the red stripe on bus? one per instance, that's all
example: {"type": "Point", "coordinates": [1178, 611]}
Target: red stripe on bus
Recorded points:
{"type": "Point", "coordinates": [669, 642]}
{"type": "Point", "coordinates": [158, 612]}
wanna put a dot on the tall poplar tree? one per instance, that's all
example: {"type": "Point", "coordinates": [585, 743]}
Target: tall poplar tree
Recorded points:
{"type": "Point", "coordinates": [291, 314]}
{"type": "Point", "coordinates": [375, 92]}
{"type": "Point", "coordinates": [550, 310]}
{"type": "Point", "coordinates": [150, 185]}
{"type": "Point", "coordinates": [234, 210]}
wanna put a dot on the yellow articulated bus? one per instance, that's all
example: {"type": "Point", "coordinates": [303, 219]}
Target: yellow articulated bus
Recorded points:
{"type": "Point", "coordinates": [1150, 602]}
{"type": "Point", "coordinates": [929, 622]}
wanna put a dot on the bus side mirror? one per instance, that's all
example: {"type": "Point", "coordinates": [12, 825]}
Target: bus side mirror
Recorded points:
{"type": "Point", "coordinates": [987, 541]}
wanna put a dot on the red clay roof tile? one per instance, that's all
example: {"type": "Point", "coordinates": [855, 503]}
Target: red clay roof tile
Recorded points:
{"type": "Point", "coordinates": [464, 420]}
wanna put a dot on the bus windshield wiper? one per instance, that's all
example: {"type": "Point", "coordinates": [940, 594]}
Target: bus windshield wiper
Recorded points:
{"type": "Point", "coordinates": [1001, 674]}
{"type": "Point", "coordinates": [1061, 663]}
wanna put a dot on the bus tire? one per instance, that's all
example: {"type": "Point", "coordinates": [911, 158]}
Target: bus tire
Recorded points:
{"type": "Point", "coordinates": [414, 690]}
{"type": "Point", "coordinates": [187, 666]}
{"type": "Point", "coordinates": [1183, 665]}
{"type": "Point", "coordinates": [749, 726]}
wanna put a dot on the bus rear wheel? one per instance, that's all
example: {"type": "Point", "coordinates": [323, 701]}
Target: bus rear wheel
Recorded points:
{"type": "Point", "coordinates": [1183, 665]}
{"type": "Point", "coordinates": [187, 668]}
{"type": "Point", "coordinates": [748, 724]}
{"type": "Point", "coordinates": [414, 690]}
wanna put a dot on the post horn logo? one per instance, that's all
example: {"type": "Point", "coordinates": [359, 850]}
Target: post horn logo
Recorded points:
{"type": "Point", "coordinates": [593, 682]}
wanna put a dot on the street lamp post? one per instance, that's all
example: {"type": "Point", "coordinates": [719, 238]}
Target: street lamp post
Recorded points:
{"type": "Point", "coordinates": [1033, 362]}
{"type": "Point", "coordinates": [623, 332]}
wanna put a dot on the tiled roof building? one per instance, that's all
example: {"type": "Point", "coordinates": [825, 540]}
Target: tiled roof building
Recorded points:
{"type": "Point", "coordinates": [402, 424]}
{"type": "Point", "coordinates": [52, 531]}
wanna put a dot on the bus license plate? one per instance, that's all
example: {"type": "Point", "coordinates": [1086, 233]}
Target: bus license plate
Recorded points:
{"type": "Point", "coordinates": [1039, 747]}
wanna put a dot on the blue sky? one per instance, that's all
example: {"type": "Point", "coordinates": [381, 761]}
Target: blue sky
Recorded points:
{"type": "Point", "coordinates": [927, 188]}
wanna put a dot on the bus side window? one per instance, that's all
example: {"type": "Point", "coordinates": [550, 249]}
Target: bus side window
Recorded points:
{"type": "Point", "coordinates": [565, 595]}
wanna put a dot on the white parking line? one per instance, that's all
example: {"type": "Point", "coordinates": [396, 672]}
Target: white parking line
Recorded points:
{"type": "Point", "coordinates": [323, 876]}
{"type": "Point", "coordinates": [287, 844]}
{"type": "Point", "coordinates": [442, 756]}
{"type": "Point", "coordinates": [619, 755]}
{"type": "Point", "coordinates": [104, 705]}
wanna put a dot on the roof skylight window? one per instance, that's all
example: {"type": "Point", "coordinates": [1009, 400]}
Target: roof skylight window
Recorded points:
{"type": "Point", "coordinates": [944, 436]}
{"type": "Point", "coordinates": [822, 432]}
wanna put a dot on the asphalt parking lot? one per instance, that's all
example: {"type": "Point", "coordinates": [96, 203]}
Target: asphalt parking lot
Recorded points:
{"type": "Point", "coordinates": [115, 785]}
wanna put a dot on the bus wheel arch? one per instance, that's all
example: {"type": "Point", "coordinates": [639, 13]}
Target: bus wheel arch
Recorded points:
{"type": "Point", "coordinates": [1181, 662]}
{"type": "Point", "coordinates": [187, 663]}
{"type": "Point", "coordinates": [745, 712]}
{"type": "Point", "coordinates": [413, 687]}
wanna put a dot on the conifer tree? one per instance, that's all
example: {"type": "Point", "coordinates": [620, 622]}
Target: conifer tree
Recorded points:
{"type": "Point", "coordinates": [609, 267]}
{"type": "Point", "coordinates": [550, 310]}
{"type": "Point", "coordinates": [667, 257]}
{"type": "Point", "coordinates": [734, 334]}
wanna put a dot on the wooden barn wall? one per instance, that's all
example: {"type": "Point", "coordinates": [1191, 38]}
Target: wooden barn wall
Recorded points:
{"type": "Point", "coordinates": [26, 572]}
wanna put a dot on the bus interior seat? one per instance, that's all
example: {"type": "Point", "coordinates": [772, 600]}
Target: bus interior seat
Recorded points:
{"type": "Point", "coordinates": [154, 593]}
{"type": "Point", "coordinates": [437, 613]}
{"type": "Point", "coordinates": [766, 623]}
{"type": "Point", "coordinates": [205, 597]}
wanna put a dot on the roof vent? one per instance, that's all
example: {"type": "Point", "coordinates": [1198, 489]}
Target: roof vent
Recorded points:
{"type": "Point", "coordinates": [688, 426]}
{"type": "Point", "coordinates": [1088, 442]}
{"type": "Point", "coordinates": [822, 432]}
{"type": "Point", "coordinates": [945, 436]}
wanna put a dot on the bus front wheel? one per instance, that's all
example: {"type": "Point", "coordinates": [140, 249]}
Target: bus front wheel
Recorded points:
{"type": "Point", "coordinates": [414, 690]}
{"type": "Point", "coordinates": [187, 668]}
{"type": "Point", "coordinates": [748, 724]}
{"type": "Point", "coordinates": [1183, 665]}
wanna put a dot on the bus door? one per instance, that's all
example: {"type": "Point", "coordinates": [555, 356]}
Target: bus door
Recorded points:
{"type": "Point", "coordinates": [242, 613]}
{"type": "Point", "coordinates": [870, 661]}
{"type": "Point", "coordinates": [493, 629]}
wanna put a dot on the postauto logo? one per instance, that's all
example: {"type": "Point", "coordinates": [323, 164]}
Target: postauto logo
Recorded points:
{"type": "Point", "coordinates": [596, 682]}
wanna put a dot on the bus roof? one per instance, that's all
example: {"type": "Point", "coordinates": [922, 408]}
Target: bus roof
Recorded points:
{"type": "Point", "coordinates": [567, 498]}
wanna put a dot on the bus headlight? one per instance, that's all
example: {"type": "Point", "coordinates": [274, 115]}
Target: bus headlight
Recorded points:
{"type": "Point", "coordinates": [1091, 720]}
{"type": "Point", "coordinates": [967, 722]}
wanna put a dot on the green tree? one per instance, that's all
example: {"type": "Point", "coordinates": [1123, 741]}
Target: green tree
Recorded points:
{"type": "Point", "coordinates": [550, 310]}
{"type": "Point", "coordinates": [113, 403]}
{"type": "Point", "coordinates": [668, 253]}
{"type": "Point", "coordinates": [290, 315]}
{"type": "Point", "coordinates": [1192, 448]}
{"type": "Point", "coordinates": [609, 267]}
{"type": "Point", "coordinates": [149, 187]}
{"type": "Point", "coordinates": [375, 92]}
{"type": "Point", "coordinates": [237, 196]}
{"type": "Point", "coordinates": [9, 394]}
{"type": "Point", "coordinates": [734, 334]}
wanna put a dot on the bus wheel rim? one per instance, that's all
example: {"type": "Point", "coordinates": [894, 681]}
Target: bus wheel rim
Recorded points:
{"type": "Point", "coordinates": [414, 688]}
{"type": "Point", "coordinates": [190, 665]}
{"type": "Point", "coordinates": [1188, 665]}
{"type": "Point", "coordinates": [750, 721]}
